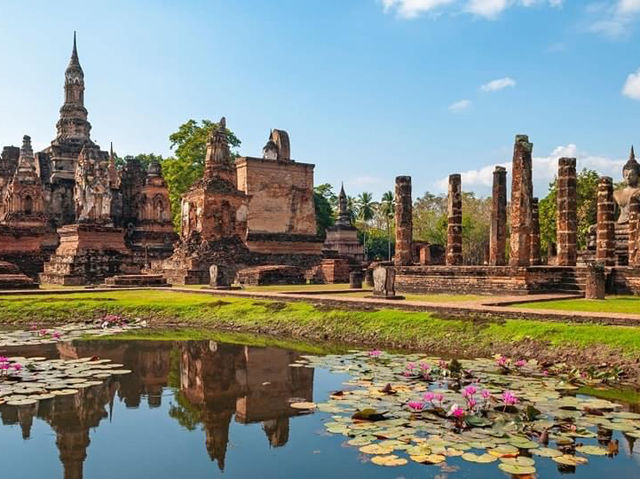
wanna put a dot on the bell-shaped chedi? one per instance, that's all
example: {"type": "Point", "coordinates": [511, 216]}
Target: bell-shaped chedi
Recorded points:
{"type": "Point", "coordinates": [342, 237]}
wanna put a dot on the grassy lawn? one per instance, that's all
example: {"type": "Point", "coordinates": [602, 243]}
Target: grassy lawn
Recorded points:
{"type": "Point", "coordinates": [301, 319]}
{"type": "Point", "coordinates": [612, 304]}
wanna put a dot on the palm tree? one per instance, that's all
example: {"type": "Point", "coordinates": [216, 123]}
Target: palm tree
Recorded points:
{"type": "Point", "coordinates": [352, 207]}
{"type": "Point", "coordinates": [366, 212]}
{"type": "Point", "coordinates": [387, 210]}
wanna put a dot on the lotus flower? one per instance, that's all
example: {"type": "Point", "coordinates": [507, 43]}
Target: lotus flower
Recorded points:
{"type": "Point", "coordinates": [429, 397]}
{"type": "Point", "coordinates": [416, 405]}
{"type": "Point", "coordinates": [521, 363]}
{"type": "Point", "coordinates": [486, 394]}
{"type": "Point", "coordinates": [375, 353]}
{"type": "Point", "coordinates": [509, 399]}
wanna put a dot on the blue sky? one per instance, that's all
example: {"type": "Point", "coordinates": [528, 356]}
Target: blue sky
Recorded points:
{"type": "Point", "coordinates": [368, 89]}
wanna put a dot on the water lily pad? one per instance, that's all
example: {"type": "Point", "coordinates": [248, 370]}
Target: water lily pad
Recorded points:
{"type": "Point", "coordinates": [592, 450]}
{"type": "Point", "coordinates": [389, 461]}
{"type": "Point", "coordinates": [568, 460]}
{"type": "Point", "coordinates": [516, 469]}
{"type": "Point", "coordinates": [429, 458]}
{"type": "Point", "coordinates": [479, 458]}
{"type": "Point", "coordinates": [546, 452]}
{"type": "Point", "coordinates": [375, 449]}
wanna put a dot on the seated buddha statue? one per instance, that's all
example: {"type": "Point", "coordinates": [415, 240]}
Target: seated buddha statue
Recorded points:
{"type": "Point", "coordinates": [622, 196]}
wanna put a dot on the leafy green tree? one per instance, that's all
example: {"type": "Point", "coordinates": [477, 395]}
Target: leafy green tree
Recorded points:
{"type": "Point", "coordinates": [189, 144]}
{"type": "Point", "coordinates": [587, 192]}
{"type": "Point", "coordinates": [377, 243]}
{"type": "Point", "coordinates": [323, 197]}
{"type": "Point", "coordinates": [430, 219]}
{"type": "Point", "coordinates": [387, 210]}
{"type": "Point", "coordinates": [366, 212]}
{"type": "Point", "coordinates": [352, 207]}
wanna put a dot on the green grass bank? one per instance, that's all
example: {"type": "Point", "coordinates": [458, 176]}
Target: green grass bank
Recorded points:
{"type": "Point", "coordinates": [611, 304]}
{"type": "Point", "coordinates": [390, 328]}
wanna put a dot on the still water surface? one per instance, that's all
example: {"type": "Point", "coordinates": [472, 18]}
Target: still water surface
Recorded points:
{"type": "Point", "coordinates": [204, 409]}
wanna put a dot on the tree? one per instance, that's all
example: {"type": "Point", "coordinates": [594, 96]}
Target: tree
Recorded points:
{"type": "Point", "coordinates": [323, 197]}
{"type": "Point", "coordinates": [587, 194]}
{"type": "Point", "coordinates": [366, 212]}
{"type": "Point", "coordinates": [187, 165]}
{"type": "Point", "coordinates": [386, 211]}
{"type": "Point", "coordinates": [430, 223]}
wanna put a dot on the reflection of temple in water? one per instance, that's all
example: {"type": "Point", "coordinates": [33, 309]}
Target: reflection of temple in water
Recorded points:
{"type": "Point", "coordinates": [255, 384]}
{"type": "Point", "coordinates": [215, 382]}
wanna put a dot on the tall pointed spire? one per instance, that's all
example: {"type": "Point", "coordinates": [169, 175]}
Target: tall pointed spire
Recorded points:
{"type": "Point", "coordinates": [632, 163]}
{"type": "Point", "coordinates": [344, 219]}
{"type": "Point", "coordinates": [73, 122]}
{"type": "Point", "coordinates": [632, 155]}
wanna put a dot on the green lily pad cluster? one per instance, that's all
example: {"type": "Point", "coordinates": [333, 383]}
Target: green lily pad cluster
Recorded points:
{"type": "Point", "coordinates": [67, 332]}
{"type": "Point", "coordinates": [400, 408]}
{"type": "Point", "coordinates": [41, 379]}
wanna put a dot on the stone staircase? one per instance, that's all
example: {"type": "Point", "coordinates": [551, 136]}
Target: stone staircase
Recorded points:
{"type": "Point", "coordinates": [136, 281]}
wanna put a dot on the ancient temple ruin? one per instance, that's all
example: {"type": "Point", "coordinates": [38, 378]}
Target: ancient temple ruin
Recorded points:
{"type": "Point", "coordinates": [342, 237]}
{"type": "Point", "coordinates": [616, 244]}
{"type": "Point", "coordinates": [68, 215]}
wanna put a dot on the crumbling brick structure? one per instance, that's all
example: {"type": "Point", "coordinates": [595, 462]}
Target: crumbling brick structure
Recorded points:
{"type": "Point", "coordinates": [498, 228]}
{"type": "Point", "coordinates": [567, 219]}
{"type": "Point", "coordinates": [606, 241]}
{"type": "Point", "coordinates": [454, 224]}
{"type": "Point", "coordinates": [521, 195]}
{"type": "Point", "coordinates": [404, 221]}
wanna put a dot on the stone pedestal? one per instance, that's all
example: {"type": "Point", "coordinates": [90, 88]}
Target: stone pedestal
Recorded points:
{"type": "Point", "coordinates": [498, 233]}
{"type": "Point", "coordinates": [595, 280]}
{"type": "Point", "coordinates": [88, 254]}
{"type": "Point", "coordinates": [384, 280]}
{"type": "Point", "coordinates": [355, 280]}
{"type": "Point", "coordinates": [404, 221]}
{"type": "Point", "coordinates": [331, 271]}
{"type": "Point", "coordinates": [12, 278]}
{"type": "Point", "coordinates": [534, 247]}
{"type": "Point", "coordinates": [218, 279]}
{"type": "Point", "coordinates": [566, 236]}
{"type": "Point", "coordinates": [521, 195]}
{"type": "Point", "coordinates": [605, 233]}
{"type": "Point", "coordinates": [454, 226]}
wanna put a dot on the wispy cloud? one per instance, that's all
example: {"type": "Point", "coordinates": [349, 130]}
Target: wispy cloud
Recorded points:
{"type": "Point", "coordinates": [499, 84]}
{"type": "Point", "coordinates": [489, 9]}
{"type": "Point", "coordinates": [460, 106]}
{"type": "Point", "coordinates": [613, 19]}
{"type": "Point", "coordinates": [631, 87]}
{"type": "Point", "coordinates": [545, 169]}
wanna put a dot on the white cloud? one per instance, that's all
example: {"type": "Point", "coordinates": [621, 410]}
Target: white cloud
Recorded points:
{"type": "Point", "coordinates": [632, 85]}
{"type": "Point", "coordinates": [545, 169]}
{"type": "Point", "coordinates": [499, 84]}
{"type": "Point", "coordinates": [459, 106]}
{"type": "Point", "coordinates": [413, 8]}
{"type": "Point", "coordinates": [613, 19]}
{"type": "Point", "coordinates": [489, 9]}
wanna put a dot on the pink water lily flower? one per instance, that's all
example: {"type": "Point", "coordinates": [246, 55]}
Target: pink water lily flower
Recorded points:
{"type": "Point", "coordinates": [486, 394]}
{"type": "Point", "coordinates": [56, 334]}
{"type": "Point", "coordinates": [416, 405]}
{"type": "Point", "coordinates": [469, 391]}
{"type": "Point", "coordinates": [456, 411]}
{"type": "Point", "coordinates": [375, 353]}
{"type": "Point", "coordinates": [17, 367]}
{"type": "Point", "coordinates": [429, 396]}
{"type": "Point", "coordinates": [509, 399]}
{"type": "Point", "coordinates": [521, 363]}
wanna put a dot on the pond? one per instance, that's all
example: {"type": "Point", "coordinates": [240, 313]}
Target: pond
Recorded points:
{"type": "Point", "coordinates": [202, 409]}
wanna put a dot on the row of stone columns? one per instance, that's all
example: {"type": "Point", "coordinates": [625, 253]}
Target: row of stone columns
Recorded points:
{"type": "Point", "coordinates": [525, 221]}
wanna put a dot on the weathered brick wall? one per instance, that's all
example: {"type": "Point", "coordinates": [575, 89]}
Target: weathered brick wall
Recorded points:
{"type": "Point", "coordinates": [461, 280]}
{"type": "Point", "coordinates": [281, 195]}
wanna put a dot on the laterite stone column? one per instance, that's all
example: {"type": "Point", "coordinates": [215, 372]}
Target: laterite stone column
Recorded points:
{"type": "Point", "coordinates": [567, 216]}
{"type": "Point", "coordinates": [606, 228]}
{"type": "Point", "coordinates": [498, 231]}
{"type": "Point", "coordinates": [534, 248]}
{"type": "Point", "coordinates": [454, 227]}
{"type": "Point", "coordinates": [404, 221]}
{"type": "Point", "coordinates": [521, 195]}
